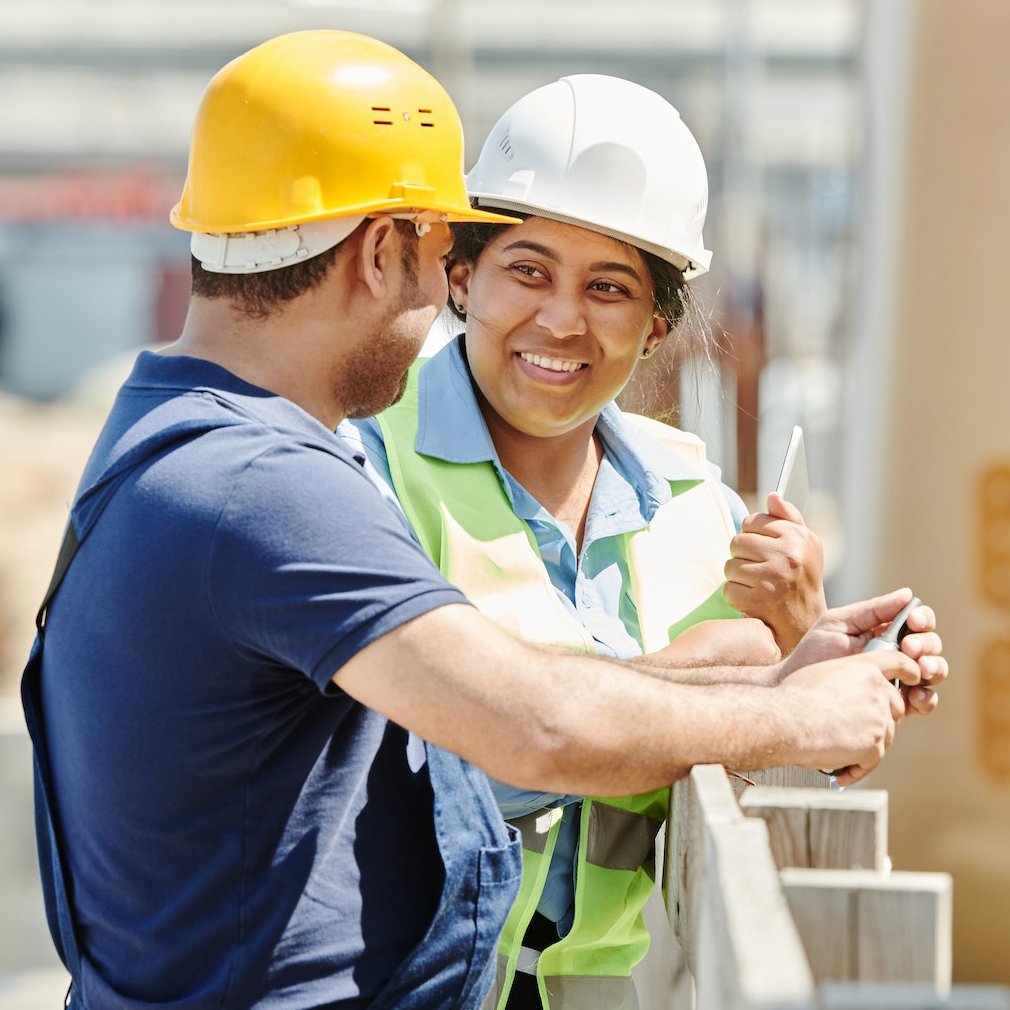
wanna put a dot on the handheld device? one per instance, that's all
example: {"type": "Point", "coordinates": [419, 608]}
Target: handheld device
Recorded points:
{"type": "Point", "coordinates": [793, 483]}
{"type": "Point", "coordinates": [889, 639]}
{"type": "Point", "coordinates": [891, 636]}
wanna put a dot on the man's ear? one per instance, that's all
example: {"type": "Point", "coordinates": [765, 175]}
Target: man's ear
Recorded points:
{"type": "Point", "coordinates": [376, 253]}
{"type": "Point", "coordinates": [459, 274]}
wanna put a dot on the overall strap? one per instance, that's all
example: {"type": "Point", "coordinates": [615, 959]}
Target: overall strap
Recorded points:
{"type": "Point", "coordinates": [51, 864]}
{"type": "Point", "coordinates": [53, 869]}
{"type": "Point", "coordinates": [68, 548]}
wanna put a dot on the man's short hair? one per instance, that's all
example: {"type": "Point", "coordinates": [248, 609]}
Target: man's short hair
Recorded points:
{"type": "Point", "coordinates": [259, 295]}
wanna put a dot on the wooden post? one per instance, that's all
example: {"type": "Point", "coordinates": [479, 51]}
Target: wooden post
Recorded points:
{"type": "Point", "coordinates": [906, 996]}
{"type": "Point", "coordinates": [858, 924]}
{"type": "Point", "coordinates": [726, 903]}
{"type": "Point", "coordinates": [823, 828]}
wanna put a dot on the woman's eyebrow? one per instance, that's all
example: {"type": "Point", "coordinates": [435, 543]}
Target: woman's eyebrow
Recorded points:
{"type": "Point", "coordinates": [547, 253]}
{"type": "Point", "coordinates": [540, 250]}
{"type": "Point", "coordinates": [610, 268]}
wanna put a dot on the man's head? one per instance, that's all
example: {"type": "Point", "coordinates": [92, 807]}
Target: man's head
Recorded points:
{"type": "Point", "coordinates": [300, 139]}
{"type": "Point", "coordinates": [301, 148]}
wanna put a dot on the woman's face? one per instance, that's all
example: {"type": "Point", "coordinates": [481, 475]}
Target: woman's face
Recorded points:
{"type": "Point", "coordinates": [556, 319]}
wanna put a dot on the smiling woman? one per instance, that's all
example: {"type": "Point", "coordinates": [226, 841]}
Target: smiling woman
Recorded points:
{"type": "Point", "coordinates": [566, 520]}
{"type": "Point", "coordinates": [557, 319]}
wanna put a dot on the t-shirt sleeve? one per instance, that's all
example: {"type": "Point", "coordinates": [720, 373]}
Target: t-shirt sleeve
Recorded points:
{"type": "Point", "coordinates": [310, 564]}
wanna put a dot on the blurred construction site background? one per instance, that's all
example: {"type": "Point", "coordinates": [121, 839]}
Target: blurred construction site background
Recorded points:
{"type": "Point", "coordinates": [858, 154]}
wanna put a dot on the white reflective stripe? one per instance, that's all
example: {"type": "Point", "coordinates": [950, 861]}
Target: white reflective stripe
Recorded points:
{"type": "Point", "coordinates": [548, 819]}
{"type": "Point", "coordinates": [526, 962]}
{"type": "Point", "coordinates": [590, 992]}
{"type": "Point", "coordinates": [249, 252]}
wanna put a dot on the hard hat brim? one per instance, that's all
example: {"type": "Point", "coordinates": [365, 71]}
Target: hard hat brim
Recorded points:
{"type": "Point", "coordinates": [690, 265]}
{"type": "Point", "coordinates": [453, 213]}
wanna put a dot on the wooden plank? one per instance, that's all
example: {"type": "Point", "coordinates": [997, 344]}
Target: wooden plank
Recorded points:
{"type": "Point", "coordinates": [749, 955]}
{"type": "Point", "coordinates": [786, 776]}
{"type": "Point", "coordinates": [857, 924]}
{"type": "Point", "coordinates": [907, 996]}
{"type": "Point", "coordinates": [906, 929]}
{"type": "Point", "coordinates": [823, 829]}
{"type": "Point", "coordinates": [726, 904]}
{"type": "Point", "coordinates": [705, 795]}
{"type": "Point", "coordinates": [825, 918]}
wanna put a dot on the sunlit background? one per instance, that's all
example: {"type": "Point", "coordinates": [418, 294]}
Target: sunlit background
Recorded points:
{"type": "Point", "coordinates": [858, 155]}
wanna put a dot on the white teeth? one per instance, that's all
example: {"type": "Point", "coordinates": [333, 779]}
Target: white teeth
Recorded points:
{"type": "Point", "coordinates": [554, 364]}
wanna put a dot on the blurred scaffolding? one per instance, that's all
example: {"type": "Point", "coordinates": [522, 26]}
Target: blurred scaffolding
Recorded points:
{"type": "Point", "coordinates": [92, 154]}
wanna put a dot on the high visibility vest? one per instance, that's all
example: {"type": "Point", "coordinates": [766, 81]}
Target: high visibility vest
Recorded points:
{"type": "Point", "coordinates": [464, 520]}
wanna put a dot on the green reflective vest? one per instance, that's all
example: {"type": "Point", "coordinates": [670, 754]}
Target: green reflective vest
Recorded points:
{"type": "Point", "coordinates": [463, 518]}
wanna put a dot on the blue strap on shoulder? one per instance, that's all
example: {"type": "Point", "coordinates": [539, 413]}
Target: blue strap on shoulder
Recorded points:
{"type": "Point", "coordinates": [52, 864]}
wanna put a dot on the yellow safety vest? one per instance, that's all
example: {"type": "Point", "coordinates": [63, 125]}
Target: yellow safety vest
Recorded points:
{"type": "Point", "coordinates": [463, 518]}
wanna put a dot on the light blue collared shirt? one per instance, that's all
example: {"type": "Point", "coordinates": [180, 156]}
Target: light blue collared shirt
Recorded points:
{"type": "Point", "coordinates": [633, 482]}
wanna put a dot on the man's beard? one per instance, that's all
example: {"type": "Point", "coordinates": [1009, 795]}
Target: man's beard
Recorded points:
{"type": "Point", "coordinates": [375, 377]}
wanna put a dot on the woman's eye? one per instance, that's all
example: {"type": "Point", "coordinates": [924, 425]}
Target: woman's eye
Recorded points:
{"type": "Point", "coordinates": [607, 287]}
{"type": "Point", "coordinates": [527, 269]}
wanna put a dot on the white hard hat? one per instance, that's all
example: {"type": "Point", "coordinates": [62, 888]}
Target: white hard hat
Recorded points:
{"type": "Point", "coordinates": [605, 154]}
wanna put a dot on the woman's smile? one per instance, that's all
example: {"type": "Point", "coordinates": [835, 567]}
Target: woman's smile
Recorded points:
{"type": "Point", "coordinates": [557, 318]}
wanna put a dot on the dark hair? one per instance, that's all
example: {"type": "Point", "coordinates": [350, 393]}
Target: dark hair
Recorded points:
{"type": "Point", "coordinates": [259, 295]}
{"type": "Point", "coordinates": [671, 293]}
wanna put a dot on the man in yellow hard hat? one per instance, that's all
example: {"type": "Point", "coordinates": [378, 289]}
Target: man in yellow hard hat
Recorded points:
{"type": "Point", "coordinates": [253, 698]}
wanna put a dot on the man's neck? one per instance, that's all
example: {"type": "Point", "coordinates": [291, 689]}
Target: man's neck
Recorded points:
{"type": "Point", "coordinates": [270, 353]}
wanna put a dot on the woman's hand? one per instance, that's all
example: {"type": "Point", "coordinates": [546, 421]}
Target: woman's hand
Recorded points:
{"type": "Point", "coordinates": [776, 571]}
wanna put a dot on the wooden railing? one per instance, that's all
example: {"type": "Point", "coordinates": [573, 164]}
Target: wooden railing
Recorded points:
{"type": "Point", "coordinates": [782, 896]}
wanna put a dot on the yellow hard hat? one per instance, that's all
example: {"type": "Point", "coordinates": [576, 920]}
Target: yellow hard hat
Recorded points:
{"type": "Point", "coordinates": [322, 124]}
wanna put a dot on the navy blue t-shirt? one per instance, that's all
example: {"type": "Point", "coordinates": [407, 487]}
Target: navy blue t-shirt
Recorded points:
{"type": "Point", "coordinates": [238, 832]}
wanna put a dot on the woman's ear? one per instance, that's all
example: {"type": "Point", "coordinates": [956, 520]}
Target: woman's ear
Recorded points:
{"type": "Point", "coordinates": [656, 335]}
{"type": "Point", "coordinates": [375, 249]}
{"type": "Point", "coordinates": [459, 274]}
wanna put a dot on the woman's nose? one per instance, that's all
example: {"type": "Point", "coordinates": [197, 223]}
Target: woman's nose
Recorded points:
{"type": "Point", "coordinates": [562, 314]}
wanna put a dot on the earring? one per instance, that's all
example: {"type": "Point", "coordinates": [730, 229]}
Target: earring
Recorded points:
{"type": "Point", "coordinates": [646, 352]}
{"type": "Point", "coordinates": [460, 309]}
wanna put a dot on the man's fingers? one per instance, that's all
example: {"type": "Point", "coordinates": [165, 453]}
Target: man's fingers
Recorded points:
{"type": "Point", "coordinates": [921, 700]}
{"type": "Point", "coordinates": [934, 669]}
{"type": "Point", "coordinates": [867, 615]}
{"type": "Point", "coordinates": [854, 773]}
{"type": "Point", "coordinates": [895, 665]}
{"type": "Point", "coordinates": [921, 619]}
{"type": "Point", "coordinates": [923, 643]}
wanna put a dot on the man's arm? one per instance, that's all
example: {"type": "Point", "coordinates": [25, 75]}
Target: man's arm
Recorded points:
{"type": "Point", "coordinates": [748, 648]}
{"type": "Point", "coordinates": [580, 725]}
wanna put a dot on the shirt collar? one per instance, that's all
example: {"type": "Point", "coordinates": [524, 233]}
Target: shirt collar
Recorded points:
{"type": "Point", "coordinates": [450, 425]}
{"type": "Point", "coordinates": [452, 428]}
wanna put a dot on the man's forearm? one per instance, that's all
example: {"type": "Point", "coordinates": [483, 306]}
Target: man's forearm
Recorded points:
{"type": "Point", "coordinates": [568, 723]}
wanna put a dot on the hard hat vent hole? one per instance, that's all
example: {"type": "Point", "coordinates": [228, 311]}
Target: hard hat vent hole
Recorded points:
{"type": "Point", "coordinates": [382, 122]}
{"type": "Point", "coordinates": [425, 112]}
{"type": "Point", "coordinates": [506, 146]}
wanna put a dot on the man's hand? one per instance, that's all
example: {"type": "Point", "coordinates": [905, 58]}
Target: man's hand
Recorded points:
{"type": "Point", "coordinates": [846, 630]}
{"type": "Point", "coordinates": [849, 710]}
{"type": "Point", "coordinates": [776, 571]}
